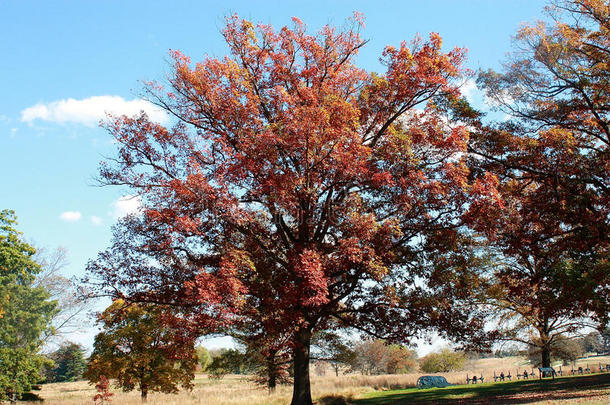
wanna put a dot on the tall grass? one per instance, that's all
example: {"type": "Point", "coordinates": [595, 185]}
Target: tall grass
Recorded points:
{"type": "Point", "coordinates": [240, 390]}
{"type": "Point", "coordinates": [232, 390]}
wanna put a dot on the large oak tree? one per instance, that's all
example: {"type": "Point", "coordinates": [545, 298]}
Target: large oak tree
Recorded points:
{"type": "Point", "coordinates": [297, 192]}
{"type": "Point", "coordinates": [552, 159]}
{"type": "Point", "coordinates": [553, 150]}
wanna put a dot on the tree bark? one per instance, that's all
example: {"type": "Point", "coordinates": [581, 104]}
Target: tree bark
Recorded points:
{"type": "Point", "coordinates": [546, 343]}
{"type": "Point", "coordinates": [301, 394]}
{"type": "Point", "coordinates": [272, 374]}
{"type": "Point", "coordinates": [546, 355]}
{"type": "Point", "coordinates": [144, 392]}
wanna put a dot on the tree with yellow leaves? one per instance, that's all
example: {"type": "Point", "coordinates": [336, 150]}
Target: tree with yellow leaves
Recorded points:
{"type": "Point", "coordinates": [135, 349]}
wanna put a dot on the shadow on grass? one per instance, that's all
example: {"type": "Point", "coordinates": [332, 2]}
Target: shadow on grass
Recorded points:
{"type": "Point", "coordinates": [31, 397]}
{"type": "Point", "coordinates": [333, 400]}
{"type": "Point", "coordinates": [516, 392]}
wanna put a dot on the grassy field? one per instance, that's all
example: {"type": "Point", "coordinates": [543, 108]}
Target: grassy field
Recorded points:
{"type": "Point", "coordinates": [589, 389]}
{"type": "Point", "coordinates": [369, 390]}
{"type": "Point", "coordinates": [232, 390]}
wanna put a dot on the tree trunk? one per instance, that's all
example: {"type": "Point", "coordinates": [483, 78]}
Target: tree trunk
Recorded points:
{"type": "Point", "coordinates": [272, 369]}
{"type": "Point", "coordinates": [546, 340]}
{"type": "Point", "coordinates": [301, 394]}
{"type": "Point", "coordinates": [144, 392]}
{"type": "Point", "coordinates": [546, 355]}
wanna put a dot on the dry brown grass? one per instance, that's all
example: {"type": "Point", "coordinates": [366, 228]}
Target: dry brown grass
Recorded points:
{"type": "Point", "coordinates": [239, 390]}
{"type": "Point", "coordinates": [232, 390]}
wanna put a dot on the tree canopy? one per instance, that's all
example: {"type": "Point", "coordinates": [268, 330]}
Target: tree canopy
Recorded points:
{"type": "Point", "coordinates": [297, 191]}
{"type": "Point", "coordinates": [71, 299]}
{"type": "Point", "coordinates": [377, 357]}
{"type": "Point", "coordinates": [25, 312]}
{"type": "Point", "coordinates": [137, 350]}
{"type": "Point", "coordinates": [554, 148]}
{"type": "Point", "coordinates": [551, 160]}
{"type": "Point", "coordinates": [442, 362]}
{"type": "Point", "coordinates": [68, 363]}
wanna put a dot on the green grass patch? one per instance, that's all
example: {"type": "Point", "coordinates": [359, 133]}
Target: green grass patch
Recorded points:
{"type": "Point", "coordinates": [503, 393]}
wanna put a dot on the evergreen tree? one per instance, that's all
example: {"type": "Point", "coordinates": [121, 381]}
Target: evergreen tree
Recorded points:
{"type": "Point", "coordinates": [69, 364]}
{"type": "Point", "coordinates": [25, 313]}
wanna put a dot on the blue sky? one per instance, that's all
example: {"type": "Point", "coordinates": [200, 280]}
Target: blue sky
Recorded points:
{"type": "Point", "coordinates": [63, 63]}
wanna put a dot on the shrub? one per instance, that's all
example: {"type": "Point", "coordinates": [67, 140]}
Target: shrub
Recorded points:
{"type": "Point", "coordinates": [444, 361]}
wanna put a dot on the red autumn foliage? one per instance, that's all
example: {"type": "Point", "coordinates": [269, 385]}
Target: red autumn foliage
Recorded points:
{"type": "Point", "coordinates": [296, 191]}
{"type": "Point", "coordinates": [552, 154]}
{"type": "Point", "coordinates": [103, 391]}
{"type": "Point", "coordinates": [550, 160]}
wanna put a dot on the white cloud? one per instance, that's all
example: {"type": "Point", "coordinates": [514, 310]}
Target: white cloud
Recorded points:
{"type": "Point", "coordinates": [128, 204]}
{"type": "Point", "coordinates": [96, 220]}
{"type": "Point", "coordinates": [90, 111]}
{"type": "Point", "coordinates": [70, 216]}
{"type": "Point", "coordinates": [468, 89]}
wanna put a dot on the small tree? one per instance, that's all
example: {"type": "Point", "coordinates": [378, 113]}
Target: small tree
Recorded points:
{"type": "Point", "coordinates": [399, 359]}
{"type": "Point", "coordinates": [229, 361]}
{"type": "Point", "coordinates": [72, 304]}
{"type": "Point", "coordinates": [331, 347]}
{"type": "Point", "coordinates": [378, 357]}
{"type": "Point", "coordinates": [534, 295]}
{"type": "Point", "coordinates": [442, 362]}
{"type": "Point", "coordinates": [370, 356]}
{"type": "Point", "coordinates": [103, 391]}
{"type": "Point", "coordinates": [203, 357]}
{"type": "Point", "coordinates": [135, 349]}
{"type": "Point", "coordinates": [269, 363]}
{"type": "Point", "coordinates": [592, 342]}
{"type": "Point", "coordinates": [69, 363]}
